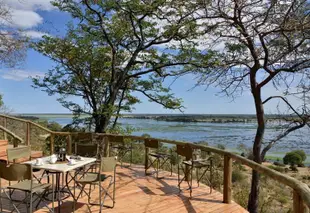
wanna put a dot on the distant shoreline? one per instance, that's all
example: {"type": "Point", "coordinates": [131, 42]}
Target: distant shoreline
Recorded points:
{"type": "Point", "coordinates": [210, 118]}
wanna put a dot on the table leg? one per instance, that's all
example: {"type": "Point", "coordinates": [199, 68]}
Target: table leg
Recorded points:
{"type": "Point", "coordinates": [53, 191]}
{"type": "Point", "coordinates": [58, 181]}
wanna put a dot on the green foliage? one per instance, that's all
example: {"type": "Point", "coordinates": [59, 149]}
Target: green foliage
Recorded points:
{"type": "Point", "coordinates": [237, 176]}
{"type": "Point", "coordinates": [245, 151]}
{"type": "Point", "coordinates": [12, 42]}
{"type": "Point", "coordinates": [221, 146]}
{"type": "Point", "coordinates": [54, 126]}
{"type": "Point", "coordinates": [1, 101]}
{"type": "Point", "coordinates": [301, 153]}
{"type": "Point", "coordinates": [112, 52]}
{"type": "Point", "coordinates": [292, 158]}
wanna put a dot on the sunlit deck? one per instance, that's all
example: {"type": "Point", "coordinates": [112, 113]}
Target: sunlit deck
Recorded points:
{"type": "Point", "coordinates": [136, 192]}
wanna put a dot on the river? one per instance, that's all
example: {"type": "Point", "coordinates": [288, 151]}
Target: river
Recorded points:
{"type": "Point", "coordinates": [228, 134]}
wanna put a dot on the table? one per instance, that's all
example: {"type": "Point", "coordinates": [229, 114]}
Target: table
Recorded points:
{"type": "Point", "coordinates": [61, 168]}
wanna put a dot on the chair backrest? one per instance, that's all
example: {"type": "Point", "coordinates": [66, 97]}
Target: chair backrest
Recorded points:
{"type": "Point", "coordinates": [16, 153]}
{"type": "Point", "coordinates": [83, 137]}
{"type": "Point", "coordinates": [108, 164]}
{"type": "Point", "coordinates": [87, 150]}
{"type": "Point", "coordinates": [118, 139]}
{"type": "Point", "coordinates": [185, 150]}
{"type": "Point", "coordinates": [15, 172]}
{"type": "Point", "coordinates": [151, 143]}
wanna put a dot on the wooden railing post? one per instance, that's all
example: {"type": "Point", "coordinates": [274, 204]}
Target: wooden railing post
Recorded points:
{"type": "Point", "coordinates": [227, 179]}
{"type": "Point", "coordinates": [28, 133]}
{"type": "Point", "coordinates": [69, 144]}
{"type": "Point", "coordinates": [52, 138]}
{"type": "Point", "coordinates": [146, 159]}
{"type": "Point", "coordinates": [106, 151]}
{"type": "Point", "coordinates": [298, 204]}
{"type": "Point", "coordinates": [5, 126]}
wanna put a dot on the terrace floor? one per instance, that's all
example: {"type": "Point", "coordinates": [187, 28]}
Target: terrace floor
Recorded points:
{"type": "Point", "coordinates": [136, 192]}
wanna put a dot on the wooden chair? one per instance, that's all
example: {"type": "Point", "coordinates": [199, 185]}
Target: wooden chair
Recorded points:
{"type": "Point", "coordinates": [107, 164]}
{"type": "Point", "coordinates": [22, 173]}
{"type": "Point", "coordinates": [118, 143]}
{"type": "Point", "coordinates": [155, 158]}
{"type": "Point", "coordinates": [192, 163]}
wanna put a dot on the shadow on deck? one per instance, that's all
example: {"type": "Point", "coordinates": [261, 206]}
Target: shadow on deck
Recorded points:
{"type": "Point", "coordinates": [136, 192]}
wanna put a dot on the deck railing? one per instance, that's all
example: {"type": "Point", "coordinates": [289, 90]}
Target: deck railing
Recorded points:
{"type": "Point", "coordinates": [301, 192]}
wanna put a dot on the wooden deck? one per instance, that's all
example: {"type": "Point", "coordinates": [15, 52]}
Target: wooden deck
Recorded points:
{"type": "Point", "coordinates": [136, 192]}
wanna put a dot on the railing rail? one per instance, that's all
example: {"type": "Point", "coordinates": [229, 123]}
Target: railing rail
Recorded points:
{"type": "Point", "coordinates": [301, 192]}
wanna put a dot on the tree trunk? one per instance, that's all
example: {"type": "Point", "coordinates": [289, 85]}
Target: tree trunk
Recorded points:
{"type": "Point", "coordinates": [254, 195]}
{"type": "Point", "coordinates": [101, 124]}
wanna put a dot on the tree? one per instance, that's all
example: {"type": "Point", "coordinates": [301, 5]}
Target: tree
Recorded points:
{"type": "Point", "coordinates": [301, 153]}
{"type": "Point", "coordinates": [115, 49]}
{"type": "Point", "coordinates": [12, 44]}
{"type": "Point", "coordinates": [292, 158]}
{"type": "Point", "coordinates": [257, 43]}
{"type": "Point", "coordinates": [1, 102]}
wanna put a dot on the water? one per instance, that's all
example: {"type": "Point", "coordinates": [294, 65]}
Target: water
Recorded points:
{"type": "Point", "coordinates": [228, 134]}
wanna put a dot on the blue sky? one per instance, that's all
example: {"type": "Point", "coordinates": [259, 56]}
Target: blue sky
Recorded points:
{"type": "Point", "coordinates": [38, 17]}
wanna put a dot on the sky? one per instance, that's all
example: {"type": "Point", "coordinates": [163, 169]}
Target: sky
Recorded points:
{"type": "Point", "coordinates": [38, 17]}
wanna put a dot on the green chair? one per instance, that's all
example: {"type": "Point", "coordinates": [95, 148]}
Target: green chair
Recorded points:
{"type": "Point", "coordinates": [191, 163]}
{"type": "Point", "coordinates": [155, 158]}
{"type": "Point", "coordinates": [18, 153]}
{"type": "Point", "coordinates": [107, 164]}
{"type": "Point", "coordinates": [118, 144]}
{"type": "Point", "coordinates": [22, 173]}
{"type": "Point", "coordinates": [86, 150]}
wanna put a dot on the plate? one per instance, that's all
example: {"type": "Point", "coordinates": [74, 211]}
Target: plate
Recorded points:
{"type": "Point", "coordinates": [71, 164]}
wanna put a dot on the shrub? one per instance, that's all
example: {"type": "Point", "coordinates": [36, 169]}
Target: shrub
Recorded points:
{"type": "Point", "coordinates": [292, 158]}
{"type": "Point", "coordinates": [301, 165]}
{"type": "Point", "coordinates": [301, 153]}
{"type": "Point", "coordinates": [293, 168]}
{"type": "Point", "coordinates": [237, 176]}
{"type": "Point", "coordinates": [221, 146]}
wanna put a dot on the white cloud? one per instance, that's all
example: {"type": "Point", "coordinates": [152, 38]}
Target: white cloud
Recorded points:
{"type": "Point", "coordinates": [23, 12]}
{"type": "Point", "coordinates": [33, 34]}
{"type": "Point", "coordinates": [25, 18]}
{"type": "Point", "coordinates": [30, 4]}
{"type": "Point", "coordinates": [20, 75]}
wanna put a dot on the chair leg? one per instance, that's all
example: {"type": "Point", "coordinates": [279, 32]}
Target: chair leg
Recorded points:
{"type": "Point", "coordinates": [191, 182]}
{"type": "Point", "coordinates": [158, 162]}
{"type": "Point", "coordinates": [197, 175]}
{"type": "Point", "coordinates": [30, 207]}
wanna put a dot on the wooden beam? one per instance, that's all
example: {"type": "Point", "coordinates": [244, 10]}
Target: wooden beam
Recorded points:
{"type": "Point", "coordinates": [298, 204]}
{"type": "Point", "coordinates": [106, 151]}
{"type": "Point", "coordinates": [227, 179]}
{"type": "Point", "coordinates": [69, 144]}
{"type": "Point", "coordinates": [5, 126]}
{"type": "Point", "coordinates": [28, 133]}
{"type": "Point", "coordinates": [146, 159]}
{"type": "Point", "coordinates": [52, 139]}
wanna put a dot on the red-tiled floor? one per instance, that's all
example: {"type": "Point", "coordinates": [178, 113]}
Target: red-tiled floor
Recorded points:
{"type": "Point", "coordinates": [136, 192]}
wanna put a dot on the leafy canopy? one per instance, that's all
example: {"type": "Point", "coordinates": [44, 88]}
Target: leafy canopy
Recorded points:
{"type": "Point", "coordinates": [114, 50]}
{"type": "Point", "coordinates": [292, 158]}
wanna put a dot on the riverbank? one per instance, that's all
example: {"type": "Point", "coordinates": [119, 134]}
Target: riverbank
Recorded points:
{"type": "Point", "coordinates": [229, 134]}
{"type": "Point", "coordinates": [191, 118]}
